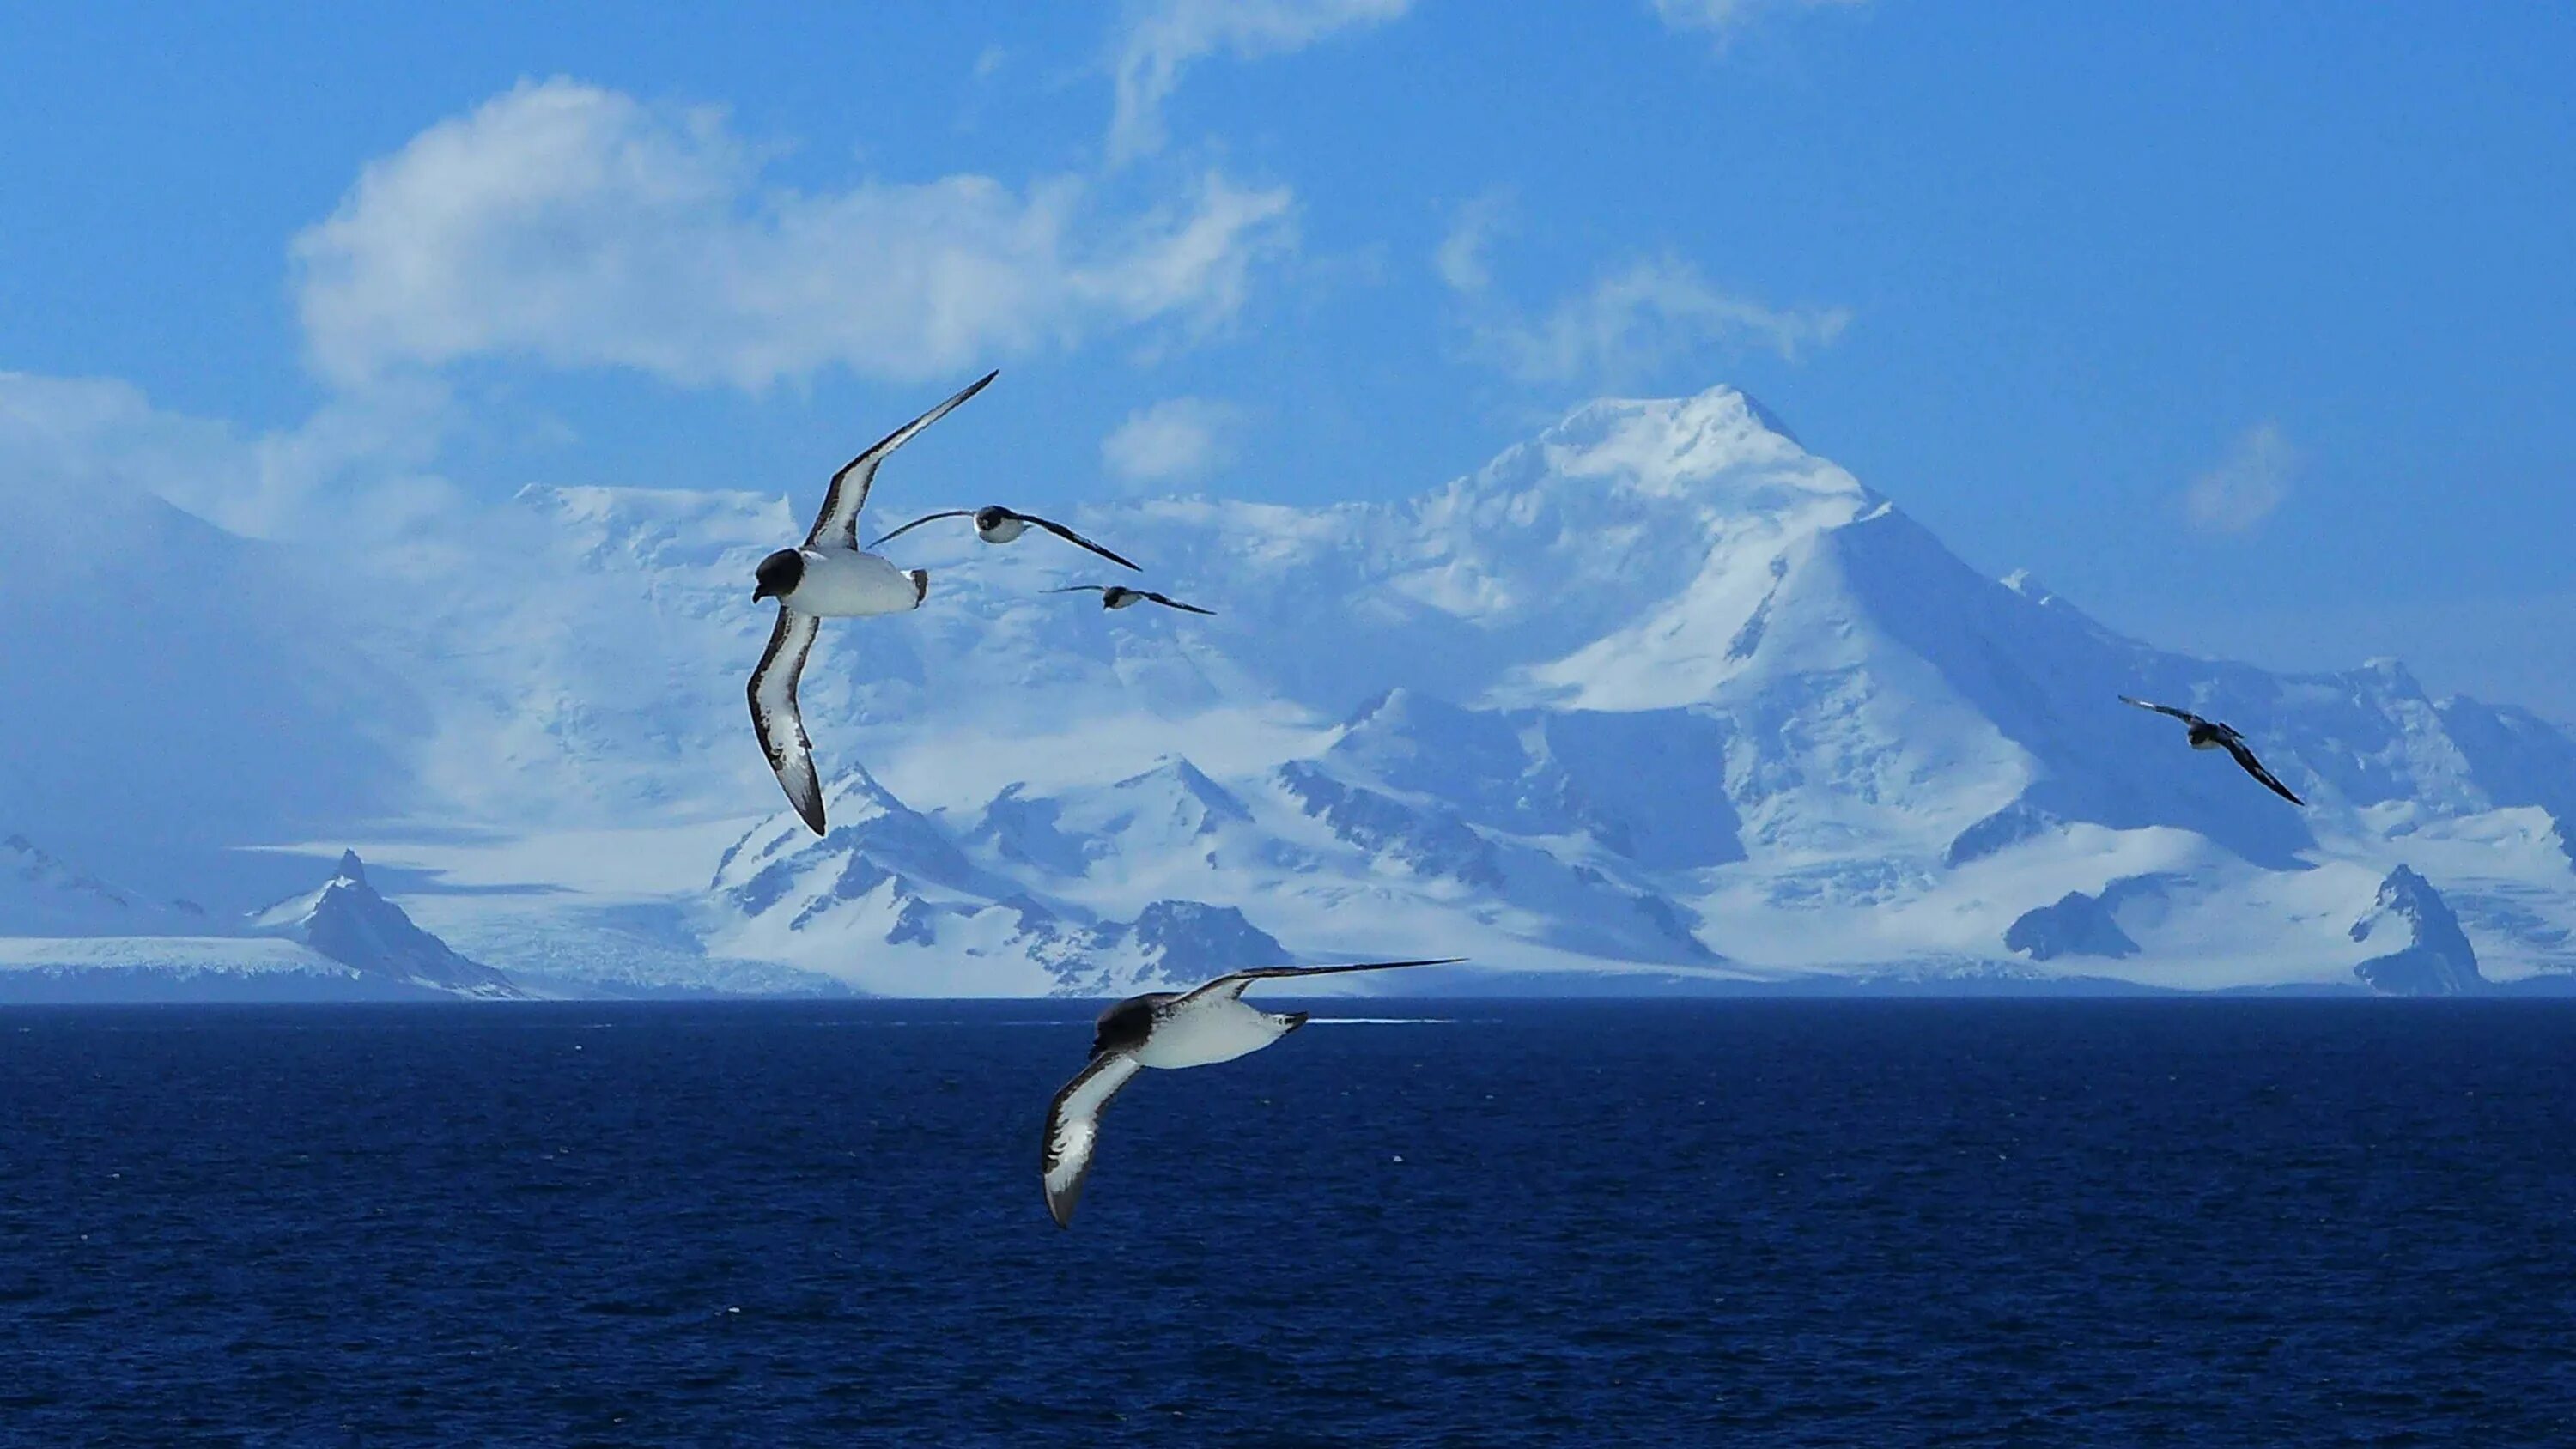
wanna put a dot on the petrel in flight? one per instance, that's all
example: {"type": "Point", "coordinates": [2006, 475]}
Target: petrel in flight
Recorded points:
{"type": "Point", "coordinates": [2206, 734]}
{"type": "Point", "coordinates": [1119, 596]}
{"type": "Point", "coordinates": [830, 577]}
{"type": "Point", "coordinates": [1166, 1029]}
{"type": "Point", "coordinates": [996, 524]}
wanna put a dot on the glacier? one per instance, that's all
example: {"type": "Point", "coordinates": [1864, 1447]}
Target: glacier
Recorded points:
{"type": "Point", "coordinates": [1656, 700]}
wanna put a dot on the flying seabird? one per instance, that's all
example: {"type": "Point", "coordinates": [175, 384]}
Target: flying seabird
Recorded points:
{"type": "Point", "coordinates": [996, 524]}
{"type": "Point", "coordinates": [830, 577]}
{"type": "Point", "coordinates": [2207, 734]}
{"type": "Point", "coordinates": [1170, 1030]}
{"type": "Point", "coordinates": [1119, 596]}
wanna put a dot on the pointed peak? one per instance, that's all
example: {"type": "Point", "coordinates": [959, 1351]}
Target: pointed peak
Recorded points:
{"type": "Point", "coordinates": [1719, 403]}
{"type": "Point", "coordinates": [1718, 449]}
{"type": "Point", "coordinates": [352, 869]}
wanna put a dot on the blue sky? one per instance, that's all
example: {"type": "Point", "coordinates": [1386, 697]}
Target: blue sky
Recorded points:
{"type": "Point", "coordinates": [2267, 306]}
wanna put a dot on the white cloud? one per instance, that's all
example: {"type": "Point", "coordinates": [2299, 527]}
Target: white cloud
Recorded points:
{"type": "Point", "coordinates": [579, 227]}
{"type": "Point", "coordinates": [1460, 258]}
{"type": "Point", "coordinates": [1721, 20]}
{"type": "Point", "coordinates": [1164, 37]}
{"type": "Point", "coordinates": [1640, 317]}
{"type": "Point", "coordinates": [1176, 440]}
{"type": "Point", "coordinates": [2246, 486]}
{"type": "Point", "coordinates": [356, 465]}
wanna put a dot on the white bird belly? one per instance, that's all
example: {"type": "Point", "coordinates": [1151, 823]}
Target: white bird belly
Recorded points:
{"type": "Point", "coordinates": [1208, 1031]}
{"type": "Point", "coordinates": [843, 583]}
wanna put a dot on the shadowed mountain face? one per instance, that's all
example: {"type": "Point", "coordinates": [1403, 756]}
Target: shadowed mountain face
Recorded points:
{"type": "Point", "coordinates": [346, 921]}
{"type": "Point", "coordinates": [1657, 691]}
{"type": "Point", "coordinates": [174, 690]}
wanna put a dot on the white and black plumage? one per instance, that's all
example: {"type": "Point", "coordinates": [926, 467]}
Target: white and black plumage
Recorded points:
{"type": "Point", "coordinates": [830, 577]}
{"type": "Point", "coordinates": [2208, 734]}
{"type": "Point", "coordinates": [1119, 596]}
{"type": "Point", "coordinates": [996, 524]}
{"type": "Point", "coordinates": [1168, 1030]}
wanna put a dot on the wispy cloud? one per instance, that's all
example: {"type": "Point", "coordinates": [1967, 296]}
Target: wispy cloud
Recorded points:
{"type": "Point", "coordinates": [2246, 486]}
{"type": "Point", "coordinates": [579, 227]}
{"type": "Point", "coordinates": [1163, 38]}
{"type": "Point", "coordinates": [359, 464]}
{"type": "Point", "coordinates": [1460, 258]}
{"type": "Point", "coordinates": [1174, 441]}
{"type": "Point", "coordinates": [1639, 318]}
{"type": "Point", "coordinates": [1722, 20]}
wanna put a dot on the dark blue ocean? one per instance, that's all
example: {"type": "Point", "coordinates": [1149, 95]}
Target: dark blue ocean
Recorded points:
{"type": "Point", "coordinates": [1744, 1223]}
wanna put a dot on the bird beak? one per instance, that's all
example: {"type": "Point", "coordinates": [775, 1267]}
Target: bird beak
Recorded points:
{"type": "Point", "coordinates": [760, 593]}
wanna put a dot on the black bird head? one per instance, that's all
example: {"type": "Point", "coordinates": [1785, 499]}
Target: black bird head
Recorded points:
{"type": "Point", "coordinates": [990, 517]}
{"type": "Point", "coordinates": [1125, 1026]}
{"type": "Point", "coordinates": [778, 575]}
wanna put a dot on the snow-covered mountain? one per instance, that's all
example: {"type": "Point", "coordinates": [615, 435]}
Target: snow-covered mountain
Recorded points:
{"type": "Point", "coordinates": [346, 921]}
{"type": "Point", "coordinates": [339, 942]}
{"type": "Point", "coordinates": [1659, 693]}
{"type": "Point", "coordinates": [43, 896]}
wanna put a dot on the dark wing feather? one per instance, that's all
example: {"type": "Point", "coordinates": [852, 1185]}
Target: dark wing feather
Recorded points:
{"type": "Point", "coordinates": [1235, 981]}
{"type": "Point", "coordinates": [1069, 536]}
{"type": "Point", "coordinates": [838, 523]}
{"type": "Point", "coordinates": [2186, 716]}
{"type": "Point", "coordinates": [1073, 1129]}
{"type": "Point", "coordinates": [2254, 767]}
{"type": "Point", "coordinates": [925, 518]}
{"type": "Point", "coordinates": [774, 715]}
{"type": "Point", "coordinates": [1169, 602]}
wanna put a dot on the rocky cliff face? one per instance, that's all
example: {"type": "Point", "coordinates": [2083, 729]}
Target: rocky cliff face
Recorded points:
{"type": "Point", "coordinates": [2433, 956]}
{"type": "Point", "coordinates": [346, 921]}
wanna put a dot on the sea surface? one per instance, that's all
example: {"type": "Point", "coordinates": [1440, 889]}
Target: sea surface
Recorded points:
{"type": "Point", "coordinates": [1726, 1223]}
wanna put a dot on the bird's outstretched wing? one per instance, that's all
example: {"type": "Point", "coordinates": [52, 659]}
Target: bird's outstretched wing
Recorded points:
{"type": "Point", "coordinates": [1234, 983]}
{"type": "Point", "coordinates": [925, 518]}
{"type": "Point", "coordinates": [1080, 589]}
{"type": "Point", "coordinates": [1073, 1129]}
{"type": "Point", "coordinates": [2236, 746]}
{"type": "Point", "coordinates": [838, 523]}
{"type": "Point", "coordinates": [2186, 716]}
{"type": "Point", "coordinates": [1168, 602]}
{"type": "Point", "coordinates": [774, 716]}
{"type": "Point", "coordinates": [1069, 536]}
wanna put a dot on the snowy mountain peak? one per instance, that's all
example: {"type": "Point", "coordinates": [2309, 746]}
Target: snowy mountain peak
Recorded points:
{"type": "Point", "coordinates": [2433, 958]}
{"type": "Point", "coordinates": [348, 922]}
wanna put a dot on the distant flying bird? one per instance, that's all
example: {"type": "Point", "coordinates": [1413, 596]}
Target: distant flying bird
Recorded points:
{"type": "Point", "coordinates": [1168, 1030]}
{"type": "Point", "coordinates": [996, 524]}
{"type": "Point", "coordinates": [1119, 596]}
{"type": "Point", "coordinates": [2211, 735]}
{"type": "Point", "coordinates": [828, 578]}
